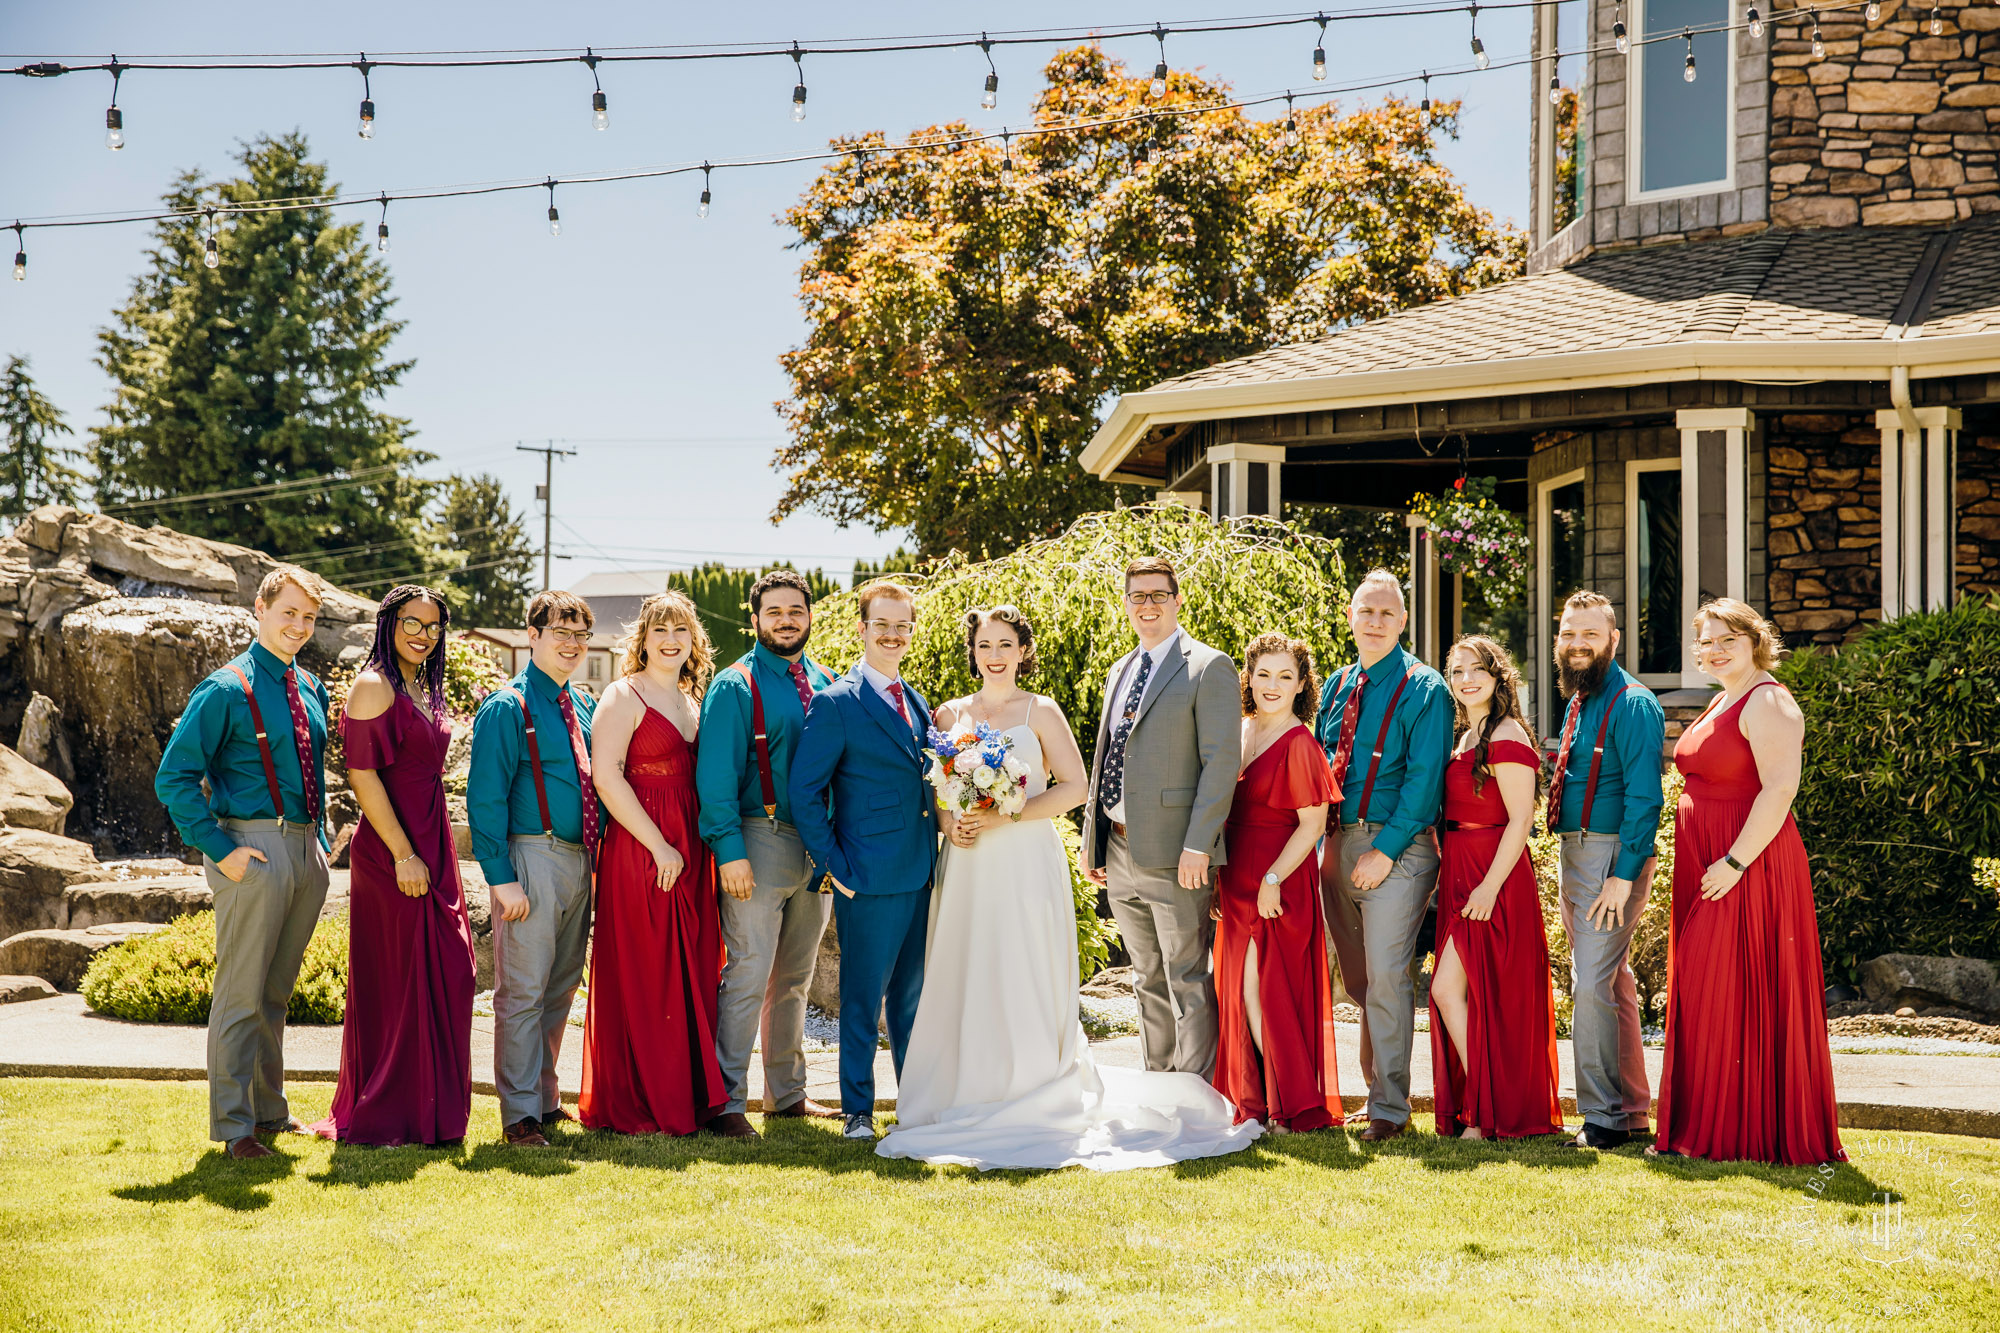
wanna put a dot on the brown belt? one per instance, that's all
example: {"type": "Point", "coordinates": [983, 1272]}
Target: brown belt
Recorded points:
{"type": "Point", "coordinates": [1118, 828]}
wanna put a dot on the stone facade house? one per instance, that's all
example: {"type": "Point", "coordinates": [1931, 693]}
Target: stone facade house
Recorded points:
{"type": "Point", "coordinates": [1756, 352]}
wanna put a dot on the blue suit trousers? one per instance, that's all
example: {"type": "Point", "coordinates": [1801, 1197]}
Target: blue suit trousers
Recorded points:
{"type": "Point", "coordinates": [882, 938]}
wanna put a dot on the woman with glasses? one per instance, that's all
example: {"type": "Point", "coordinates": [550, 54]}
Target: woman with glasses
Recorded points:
{"type": "Point", "coordinates": [406, 1050]}
{"type": "Point", "coordinates": [1747, 1075]}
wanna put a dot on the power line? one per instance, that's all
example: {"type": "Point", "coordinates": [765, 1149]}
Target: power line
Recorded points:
{"type": "Point", "coordinates": [265, 490]}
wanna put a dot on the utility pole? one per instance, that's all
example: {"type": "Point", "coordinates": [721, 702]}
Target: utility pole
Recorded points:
{"type": "Point", "coordinates": [544, 493]}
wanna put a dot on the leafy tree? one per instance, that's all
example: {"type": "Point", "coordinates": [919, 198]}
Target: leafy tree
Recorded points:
{"type": "Point", "coordinates": [33, 470]}
{"type": "Point", "coordinates": [902, 560]}
{"type": "Point", "coordinates": [495, 572]}
{"type": "Point", "coordinates": [263, 370]}
{"type": "Point", "coordinates": [965, 333]}
{"type": "Point", "coordinates": [722, 596]}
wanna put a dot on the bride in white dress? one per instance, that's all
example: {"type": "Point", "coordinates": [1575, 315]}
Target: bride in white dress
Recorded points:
{"type": "Point", "coordinates": [999, 1073]}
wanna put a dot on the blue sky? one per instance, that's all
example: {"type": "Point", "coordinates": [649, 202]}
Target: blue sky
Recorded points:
{"type": "Point", "coordinates": [644, 336]}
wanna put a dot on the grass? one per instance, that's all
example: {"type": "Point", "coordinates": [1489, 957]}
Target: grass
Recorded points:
{"type": "Point", "coordinates": [115, 1213]}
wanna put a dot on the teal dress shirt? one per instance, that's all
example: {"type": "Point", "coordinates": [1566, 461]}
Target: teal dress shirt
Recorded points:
{"type": "Point", "coordinates": [1409, 782]}
{"type": "Point", "coordinates": [500, 790]}
{"type": "Point", "coordinates": [725, 772]}
{"type": "Point", "coordinates": [1628, 780]}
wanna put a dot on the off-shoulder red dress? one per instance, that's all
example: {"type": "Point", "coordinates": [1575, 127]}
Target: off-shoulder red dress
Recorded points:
{"type": "Point", "coordinates": [1507, 1085]}
{"type": "Point", "coordinates": [649, 1064]}
{"type": "Point", "coordinates": [1747, 1075]}
{"type": "Point", "coordinates": [1294, 1083]}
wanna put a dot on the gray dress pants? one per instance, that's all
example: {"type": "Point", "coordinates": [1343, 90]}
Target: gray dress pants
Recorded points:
{"type": "Point", "coordinates": [773, 942]}
{"type": "Point", "coordinates": [262, 927]}
{"type": "Point", "coordinates": [1612, 1091]}
{"type": "Point", "coordinates": [537, 963]}
{"type": "Point", "coordinates": [1167, 931]}
{"type": "Point", "coordinates": [1375, 942]}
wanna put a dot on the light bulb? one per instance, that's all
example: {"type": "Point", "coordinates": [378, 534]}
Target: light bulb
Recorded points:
{"type": "Point", "coordinates": [114, 129]}
{"type": "Point", "coordinates": [367, 129]}
{"type": "Point", "coordinates": [555, 221]}
{"type": "Point", "coordinates": [1687, 68]}
{"type": "Point", "coordinates": [1479, 56]}
{"type": "Point", "coordinates": [1619, 38]}
{"type": "Point", "coordinates": [1159, 85]}
{"type": "Point", "coordinates": [991, 97]}
{"type": "Point", "coordinates": [1818, 46]}
{"type": "Point", "coordinates": [1874, 10]}
{"type": "Point", "coordinates": [600, 112]}
{"type": "Point", "coordinates": [381, 236]}
{"type": "Point", "coordinates": [20, 266]}
{"type": "Point", "coordinates": [1555, 90]}
{"type": "Point", "coordinates": [1425, 105]}
{"type": "Point", "coordinates": [1757, 20]}
{"type": "Point", "coordinates": [1006, 173]}
{"type": "Point", "coordinates": [1937, 22]}
{"type": "Point", "coordinates": [211, 254]}
{"type": "Point", "coordinates": [1319, 64]}
{"type": "Point", "coordinates": [702, 211]}
{"type": "Point", "coordinates": [799, 102]}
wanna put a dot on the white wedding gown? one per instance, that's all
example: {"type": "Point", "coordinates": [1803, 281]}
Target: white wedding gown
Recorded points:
{"type": "Point", "coordinates": [998, 1072]}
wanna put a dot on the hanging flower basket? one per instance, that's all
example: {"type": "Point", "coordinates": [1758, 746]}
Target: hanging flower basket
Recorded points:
{"type": "Point", "coordinates": [1471, 534]}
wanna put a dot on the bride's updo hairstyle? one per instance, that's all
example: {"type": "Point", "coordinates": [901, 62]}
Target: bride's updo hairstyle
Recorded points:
{"type": "Point", "coordinates": [1013, 618]}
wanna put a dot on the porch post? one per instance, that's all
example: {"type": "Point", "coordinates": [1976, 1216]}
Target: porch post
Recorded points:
{"type": "Point", "coordinates": [1919, 510]}
{"type": "Point", "coordinates": [1423, 590]}
{"type": "Point", "coordinates": [1245, 479]}
{"type": "Point", "coordinates": [1715, 526]}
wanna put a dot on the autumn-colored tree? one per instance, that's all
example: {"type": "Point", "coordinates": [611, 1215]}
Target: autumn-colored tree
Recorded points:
{"type": "Point", "coordinates": [974, 306]}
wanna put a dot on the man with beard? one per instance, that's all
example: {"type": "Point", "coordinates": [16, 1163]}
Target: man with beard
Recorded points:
{"type": "Point", "coordinates": [772, 918]}
{"type": "Point", "coordinates": [1604, 801]}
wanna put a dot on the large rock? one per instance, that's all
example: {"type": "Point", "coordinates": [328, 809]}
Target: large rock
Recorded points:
{"type": "Point", "coordinates": [157, 900]}
{"type": "Point", "coordinates": [42, 742]}
{"type": "Point", "coordinates": [30, 797]}
{"type": "Point", "coordinates": [478, 915]}
{"type": "Point", "coordinates": [14, 990]}
{"type": "Point", "coordinates": [1922, 979]}
{"type": "Point", "coordinates": [35, 868]}
{"type": "Point", "coordinates": [60, 957]}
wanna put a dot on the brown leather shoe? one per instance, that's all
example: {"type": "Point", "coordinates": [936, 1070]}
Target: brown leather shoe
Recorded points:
{"type": "Point", "coordinates": [557, 1116]}
{"type": "Point", "coordinates": [1360, 1118]}
{"type": "Point", "coordinates": [247, 1148]}
{"type": "Point", "coordinates": [525, 1134]}
{"type": "Point", "coordinates": [1379, 1130]}
{"type": "Point", "coordinates": [732, 1125]}
{"type": "Point", "coordinates": [804, 1108]}
{"type": "Point", "coordinates": [291, 1124]}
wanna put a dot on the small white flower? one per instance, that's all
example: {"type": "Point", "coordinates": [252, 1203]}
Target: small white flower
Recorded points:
{"type": "Point", "coordinates": [985, 778]}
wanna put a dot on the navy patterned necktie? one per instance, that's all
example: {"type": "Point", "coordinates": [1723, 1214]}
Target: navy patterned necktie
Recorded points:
{"type": "Point", "coordinates": [1114, 761]}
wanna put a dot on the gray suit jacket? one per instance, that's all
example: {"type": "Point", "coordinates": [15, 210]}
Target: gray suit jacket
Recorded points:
{"type": "Point", "coordinates": [1181, 760]}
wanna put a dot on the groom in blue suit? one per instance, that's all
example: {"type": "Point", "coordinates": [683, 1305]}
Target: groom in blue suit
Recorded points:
{"type": "Point", "coordinates": [866, 816]}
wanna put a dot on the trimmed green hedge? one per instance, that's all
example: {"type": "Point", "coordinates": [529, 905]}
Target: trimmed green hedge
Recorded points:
{"type": "Point", "coordinates": [1901, 788]}
{"type": "Point", "coordinates": [166, 977]}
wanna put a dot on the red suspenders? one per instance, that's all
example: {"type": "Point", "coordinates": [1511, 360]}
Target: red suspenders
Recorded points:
{"type": "Point", "coordinates": [535, 761]}
{"type": "Point", "coordinates": [761, 741]}
{"type": "Point", "coordinates": [263, 744]}
{"type": "Point", "coordinates": [1597, 759]}
{"type": "Point", "coordinates": [1381, 738]}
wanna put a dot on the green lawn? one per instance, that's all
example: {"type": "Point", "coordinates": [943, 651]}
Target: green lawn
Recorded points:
{"type": "Point", "coordinates": [115, 1213]}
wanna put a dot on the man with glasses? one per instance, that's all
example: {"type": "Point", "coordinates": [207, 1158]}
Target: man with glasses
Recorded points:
{"type": "Point", "coordinates": [865, 815]}
{"type": "Point", "coordinates": [1169, 743]}
{"type": "Point", "coordinates": [535, 821]}
{"type": "Point", "coordinates": [751, 720]}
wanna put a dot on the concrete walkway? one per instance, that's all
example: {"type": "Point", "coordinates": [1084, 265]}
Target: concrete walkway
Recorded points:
{"type": "Point", "coordinates": [60, 1038]}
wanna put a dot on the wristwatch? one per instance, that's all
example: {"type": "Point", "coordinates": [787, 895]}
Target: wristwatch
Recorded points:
{"type": "Point", "coordinates": [1734, 864]}
{"type": "Point", "coordinates": [1271, 880]}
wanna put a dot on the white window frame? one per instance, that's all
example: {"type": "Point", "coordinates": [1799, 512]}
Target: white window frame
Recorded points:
{"type": "Point", "coordinates": [1544, 636]}
{"type": "Point", "coordinates": [1633, 467]}
{"type": "Point", "coordinates": [1635, 116]}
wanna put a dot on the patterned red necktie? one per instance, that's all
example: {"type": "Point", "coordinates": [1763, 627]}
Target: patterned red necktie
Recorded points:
{"type": "Point", "coordinates": [896, 689]}
{"type": "Point", "coordinates": [582, 755]}
{"type": "Point", "coordinates": [803, 685]}
{"type": "Point", "coordinates": [1562, 761]}
{"type": "Point", "coordinates": [1350, 719]}
{"type": "Point", "coordinates": [302, 738]}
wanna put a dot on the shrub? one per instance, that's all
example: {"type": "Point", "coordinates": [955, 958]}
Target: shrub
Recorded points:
{"type": "Point", "coordinates": [167, 976]}
{"type": "Point", "coordinates": [1094, 934]}
{"type": "Point", "coordinates": [1901, 787]}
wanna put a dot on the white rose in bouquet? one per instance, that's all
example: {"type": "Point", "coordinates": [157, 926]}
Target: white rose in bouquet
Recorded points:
{"type": "Point", "coordinates": [985, 778]}
{"type": "Point", "coordinates": [966, 763]}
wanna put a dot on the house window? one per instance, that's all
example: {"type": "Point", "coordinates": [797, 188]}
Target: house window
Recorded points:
{"type": "Point", "coordinates": [1562, 538]}
{"type": "Point", "coordinates": [1653, 569]}
{"type": "Point", "coordinates": [596, 667]}
{"type": "Point", "coordinates": [1682, 140]}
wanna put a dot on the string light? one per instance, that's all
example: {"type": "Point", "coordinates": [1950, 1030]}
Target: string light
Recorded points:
{"type": "Point", "coordinates": [1818, 42]}
{"type": "Point", "coordinates": [1159, 85]}
{"type": "Point", "coordinates": [799, 91]}
{"type": "Point", "coordinates": [1756, 20]}
{"type": "Point", "coordinates": [1479, 56]}
{"type": "Point", "coordinates": [1291, 124]}
{"type": "Point", "coordinates": [1618, 37]}
{"type": "Point", "coordinates": [600, 109]}
{"type": "Point", "coordinates": [1937, 21]}
{"type": "Point", "coordinates": [1319, 51]}
{"type": "Point", "coordinates": [989, 98]}
{"type": "Point", "coordinates": [20, 255]}
{"type": "Point", "coordinates": [211, 253]}
{"type": "Point", "coordinates": [382, 227]}
{"type": "Point", "coordinates": [1006, 160]}
{"type": "Point", "coordinates": [1555, 80]}
{"type": "Point", "coordinates": [367, 129]}
{"type": "Point", "coordinates": [114, 119]}
{"type": "Point", "coordinates": [1687, 66]}
{"type": "Point", "coordinates": [555, 218]}
{"type": "Point", "coordinates": [1874, 10]}
{"type": "Point", "coordinates": [702, 210]}
{"type": "Point", "coordinates": [1425, 105]}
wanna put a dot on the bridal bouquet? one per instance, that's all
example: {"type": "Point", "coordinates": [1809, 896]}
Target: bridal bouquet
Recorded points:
{"type": "Point", "coordinates": [971, 770]}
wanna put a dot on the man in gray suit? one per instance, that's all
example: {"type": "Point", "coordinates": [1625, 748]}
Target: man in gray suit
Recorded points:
{"type": "Point", "coordinates": [1169, 743]}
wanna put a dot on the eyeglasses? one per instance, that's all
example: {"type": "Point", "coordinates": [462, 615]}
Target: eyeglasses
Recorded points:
{"type": "Point", "coordinates": [901, 629]}
{"type": "Point", "coordinates": [430, 629]}
{"type": "Point", "coordinates": [1150, 598]}
{"type": "Point", "coordinates": [1725, 643]}
{"type": "Point", "coordinates": [574, 637]}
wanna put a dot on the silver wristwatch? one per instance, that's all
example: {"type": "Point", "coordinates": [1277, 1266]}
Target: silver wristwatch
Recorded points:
{"type": "Point", "coordinates": [1271, 879]}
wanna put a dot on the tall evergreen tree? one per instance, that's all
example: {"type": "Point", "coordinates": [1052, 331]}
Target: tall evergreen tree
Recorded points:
{"type": "Point", "coordinates": [34, 468]}
{"type": "Point", "coordinates": [480, 530]}
{"type": "Point", "coordinates": [260, 371]}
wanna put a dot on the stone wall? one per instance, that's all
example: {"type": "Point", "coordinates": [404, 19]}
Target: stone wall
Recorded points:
{"type": "Point", "coordinates": [1824, 510]}
{"type": "Point", "coordinates": [1893, 125]}
{"type": "Point", "coordinates": [1978, 514]}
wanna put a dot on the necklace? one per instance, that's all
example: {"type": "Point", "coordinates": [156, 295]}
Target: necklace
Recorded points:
{"type": "Point", "coordinates": [987, 713]}
{"type": "Point", "coordinates": [1257, 733]}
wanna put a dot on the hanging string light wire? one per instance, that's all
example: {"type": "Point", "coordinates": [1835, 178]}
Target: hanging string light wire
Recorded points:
{"type": "Point", "coordinates": [600, 110]}
{"type": "Point", "coordinates": [990, 96]}
{"type": "Point", "coordinates": [114, 119]}
{"type": "Point", "coordinates": [367, 129]}
{"type": "Point", "coordinates": [1319, 51]}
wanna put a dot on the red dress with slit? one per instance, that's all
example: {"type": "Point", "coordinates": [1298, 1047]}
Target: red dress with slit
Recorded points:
{"type": "Point", "coordinates": [406, 1047]}
{"type": "Point", "coordinates": [1293, 1082]}
{"type": "Point", "coordinates": [1506, 1087]}
{"type": "Point", "coordinates": [1747, 1075]}
{"type": "Point", "coordinates": [649, 1064]}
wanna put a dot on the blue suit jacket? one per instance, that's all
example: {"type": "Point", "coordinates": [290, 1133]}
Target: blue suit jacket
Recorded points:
{"type": "Point", "coordinates": [857, 789]}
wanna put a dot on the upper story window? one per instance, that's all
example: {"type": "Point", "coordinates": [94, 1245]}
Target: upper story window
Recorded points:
{"type": "Point", "coordinates": [1682, 142]}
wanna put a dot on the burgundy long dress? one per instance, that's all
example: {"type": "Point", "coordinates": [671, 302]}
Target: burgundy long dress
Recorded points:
{"type": "Point", "coordinates": [1294, 1082]}
{"type": "Point", "coordinates": [406, 1049]}
{"type": "Point", "coordinates": [1747, 1075]}
{"type": "Point", "coordinates": [649, 1064]}
{"type": "Point", "coordinates": [1507, 1085]}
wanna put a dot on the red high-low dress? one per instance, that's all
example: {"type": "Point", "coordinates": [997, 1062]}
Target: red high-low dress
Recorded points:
{"type": "Point", "coordinates": [649, 1063]}
{"type": "Point", "coordinates": [1507, 1087]}
{"type": "Point", "coordinates": [1294, 1083]}
{"type": "Point", "coordinates": [1747, 1075]}
{"type": "Point", "coordinates": [406, 1049]}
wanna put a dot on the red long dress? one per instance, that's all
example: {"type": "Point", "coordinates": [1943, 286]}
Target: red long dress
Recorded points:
{"type": "Point", "coordinates": [1295, 1083]}
{"type": "Point", "coordinates": [406, 1049]}
{"type": "Point", "coordinates": [1508, 1086]}
{"type": "Point", "coordinates": [649, 1063]}
{"type": "Point", "coordinates": [1747, 1075]}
